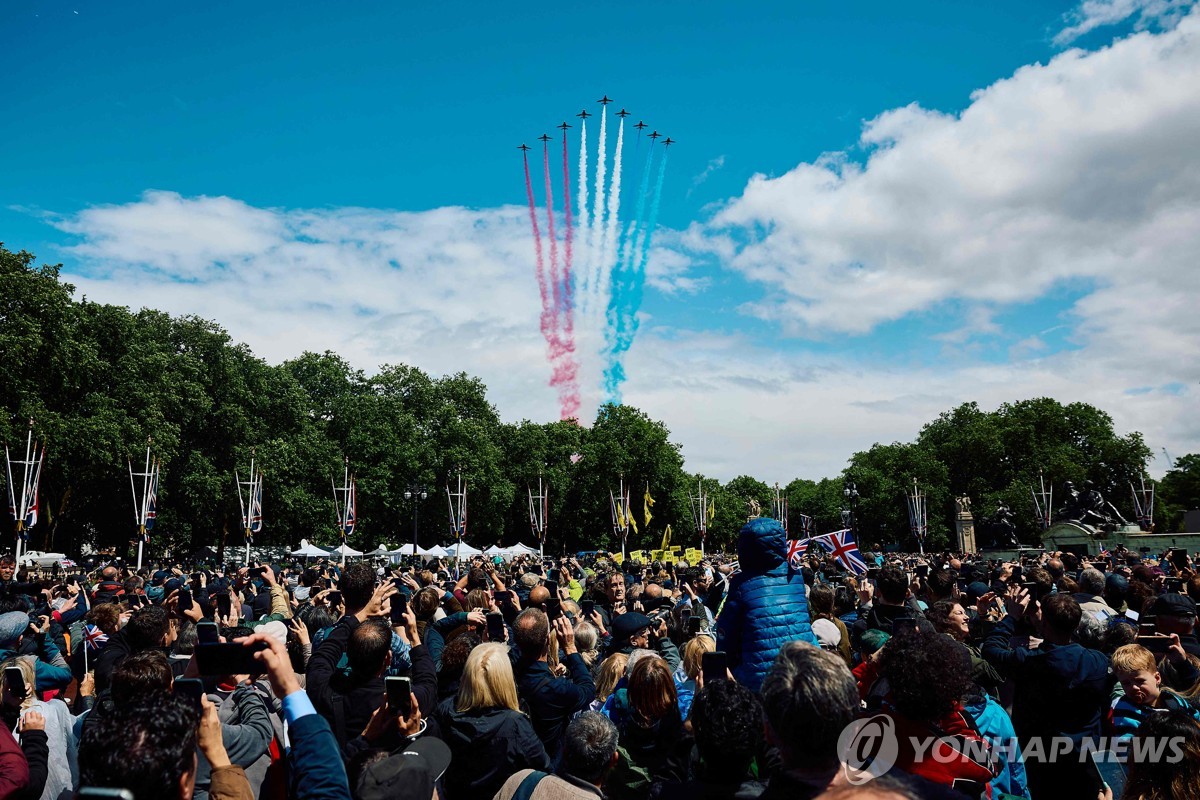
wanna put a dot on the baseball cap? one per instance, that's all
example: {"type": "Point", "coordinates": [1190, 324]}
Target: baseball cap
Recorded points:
{"type": "Point", "coordinates": [1173, 605]}
{"type": "Point", "coordinates": [627, 625]}
{"type": "Point", "coordinates": [408, 774]}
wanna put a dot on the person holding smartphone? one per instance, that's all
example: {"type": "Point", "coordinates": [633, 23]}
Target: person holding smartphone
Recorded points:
{"type": "Point", "coordinates": [552, 701]}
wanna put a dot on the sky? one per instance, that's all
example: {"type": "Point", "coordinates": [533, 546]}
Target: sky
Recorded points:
{"type": "Point", "coordinates": [872, 212]}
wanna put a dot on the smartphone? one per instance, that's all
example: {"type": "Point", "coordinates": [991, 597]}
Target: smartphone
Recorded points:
{"type": "Point", "coordinates": [191, 688]}
{"type": "Point", "coordinates": [399, 694]}
{"type": "Point", "coordinates": [206, 633]}
{"type": "Point", "coordinates": [15, 679]}
{"type": "Point", "coordinates": [399, 608]}
{"type": "Point", "coordinates": [922, 570]}
{"type": "Point", "coordinates": [1017, 570]}
{"type": "Point", "coordinates": [1107, 770]}
{"type": "Point", "coordinates": [495, 627]}
{"type": "Point", "coordinates": [873, 573]}
{"type": "Point", "coordinates": [685, 618]}
{"type": "Point", "coordinates": [1159, 645]}
{"type": "Point", "coordinates": [195, 576]}
{"type": "Point", "coordinates": [224, 604]}
{"type": "Point", "coordinates": [228, 658]}
{"type": "Point", "coordinates": [1179, 558]}
{"type": "Point", "coordinates": [1032, 588]}
{"type": "Point", "coordinates": [104, 793]}
{"type": "Point", "coordinates": [905, 625]}
{"type": "Point", "coordinates": [715, 666]}
{"type": "Point", "coordinates": [1147, 628]}
{"type": "Point", "coordinates": [552, 587]}
{"type": "Point", "coordinates": [398, 583]}
{"type": "Point", "coordinates": [588, 607]}
{"type": "Point", "coordinates": [694, 624]}
{"type": "Point", "coordinates": [334, 598]}
{"type": "Point", "coordinates": [553, 609]}
{"type": "Point", "coordinates": [1173, 585]}
{"type": "Point", "coordinates": [185, 600]}
{"type": "Point", "coordinates": [504, 597]}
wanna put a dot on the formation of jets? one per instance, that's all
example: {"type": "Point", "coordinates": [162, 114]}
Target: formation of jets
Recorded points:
{"type": "Point", "coordinates": [604, 101]}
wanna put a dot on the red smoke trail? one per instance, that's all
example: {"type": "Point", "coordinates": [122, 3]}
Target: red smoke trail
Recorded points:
{"type": "Point", "coordinates": [546, 322]}
{"type": "Point", "coordinates": [568, 246]}
{"type": "Point", "coordinates": [555, 286]}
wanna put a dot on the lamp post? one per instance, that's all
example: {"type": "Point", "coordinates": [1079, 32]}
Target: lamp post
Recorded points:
{"type": "Point", "coordinates": [849, 513]}
{"type": "Point", "coordinates": [415, 492]}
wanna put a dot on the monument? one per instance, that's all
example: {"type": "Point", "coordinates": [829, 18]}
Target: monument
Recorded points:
{"type": "Point", "coordinates": [964, 522]}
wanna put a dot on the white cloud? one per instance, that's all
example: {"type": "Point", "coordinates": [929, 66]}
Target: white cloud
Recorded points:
{"type": "Point", "coordinates": [1093, 14]}
{"type": "Point", "coordinates": [1082, 170]}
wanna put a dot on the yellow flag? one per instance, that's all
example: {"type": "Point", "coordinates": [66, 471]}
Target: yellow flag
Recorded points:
{"type": "Point", "coordinates": [647, 504]}
{"type": "Point", "coordinates": [712, 509]}
{"type": "Point", "coordinates": [666, 542]}
{"type": "Point", "coordinates": [630, 518]}
{"type": "Point", "coordinates": [620, 517]}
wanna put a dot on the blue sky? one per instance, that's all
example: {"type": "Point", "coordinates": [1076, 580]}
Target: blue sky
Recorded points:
{"type": "Point", "coordinates": [288, 109]}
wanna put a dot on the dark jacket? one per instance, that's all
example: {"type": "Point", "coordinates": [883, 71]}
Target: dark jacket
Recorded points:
{"type": "Point", "coordinates": [346, 702]}
{"type": "Point", "coordinates": [36, 746]}
{"type": "Point", "coordinates": [316, 773]}
{"type": "Point", "coordinates": [1060, 690]}
{"type": "Point", "coordinates": [553, 701]}
{"type": "Point", "coordinates": [487, 746]}
{"type": "Point", "coordinates": [879, 617]}
{"type": "Point", "coordinates": [766, 606]}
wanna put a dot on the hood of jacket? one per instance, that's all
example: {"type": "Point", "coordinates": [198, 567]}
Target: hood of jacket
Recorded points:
{"type": "Point", "coordinates": [762, 545]}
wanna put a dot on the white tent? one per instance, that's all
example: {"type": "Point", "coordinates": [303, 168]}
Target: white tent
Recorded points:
{"type": "Point", "coordinates": [344, 551]}
{"type": "Point", "coordinates": [309, 550]}
{"type": "Point", "coordinates": [462, 550]}
{"type": "Point", "coordinates": [403, 550]}
{"type": "Point", "coordinates": [434, 552]}
{"type": "Point", "coordinates": [519, 549]}
{"type": "Point", "coordinates": [380, 551]}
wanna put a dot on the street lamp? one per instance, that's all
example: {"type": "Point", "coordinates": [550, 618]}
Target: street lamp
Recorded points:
{"type": "Point", "coordinates": [850, 496]}
{"type": "Point", "coordinates": [415, 492]}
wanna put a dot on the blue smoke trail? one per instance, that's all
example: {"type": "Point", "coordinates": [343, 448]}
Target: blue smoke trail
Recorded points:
{"type": "Point", "coordinates": [623, 321]}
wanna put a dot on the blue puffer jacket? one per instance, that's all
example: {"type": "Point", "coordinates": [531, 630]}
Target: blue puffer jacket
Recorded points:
{"type": "Point", "coordinates": [766, 606]}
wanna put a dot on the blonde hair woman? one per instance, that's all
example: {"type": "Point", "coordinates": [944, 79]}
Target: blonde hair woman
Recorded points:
{"type": "Point", "coordinates": [489, 737]}
{"type": "Point", "coordinates": [612, 670]}
{"type": "Point", "coordinates": [52, 717]}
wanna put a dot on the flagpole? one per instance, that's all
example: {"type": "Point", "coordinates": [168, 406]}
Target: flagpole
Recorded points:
{"type": "Point", "coordinates": [24, 506]}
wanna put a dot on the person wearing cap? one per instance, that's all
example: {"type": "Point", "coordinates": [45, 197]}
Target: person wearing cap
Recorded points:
{"type": "Point", "coordinates": [1175, 613]}
{"type": "Point", "coordinates": [589, 755]}
{"type": "Point", "coordinates": [410, 773]}
{"type": "Point", "coordinates": [552, 701]}
{"type": "Point", "coordinates": [767, 605]}
{"type": "Point", "coordinates": [51, 669]}
{"type": "Point", "coordinates": [634, 630]}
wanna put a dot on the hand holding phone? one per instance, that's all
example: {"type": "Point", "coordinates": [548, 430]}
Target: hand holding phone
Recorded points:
{"type": "Point", "coordinates": [399, 695]}
{"type": "Point", "coordinates": [714, 666]}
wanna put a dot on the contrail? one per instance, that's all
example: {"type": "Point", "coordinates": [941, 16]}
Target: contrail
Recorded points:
{"type": "Point", "coordinates": [555, 286]}
{"type": "Point", "coordinates": [597, 222]}
{"type": "Point", "coordinates": [582, 199]}
{"type": "Point", "coordinates": [568, 289]}
{"type": "Point", "coordinates": [608, 242]}
{"type": "Point", "coordinates": [614, 373]}
{"type": "Point", "coordinates": [543, 290]}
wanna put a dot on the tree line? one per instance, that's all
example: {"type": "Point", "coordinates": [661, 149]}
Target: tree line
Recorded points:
{"type": "Point", "coordinates": [99, 380]}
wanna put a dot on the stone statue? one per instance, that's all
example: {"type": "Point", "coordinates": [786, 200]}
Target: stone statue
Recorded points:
{"type": "Point", "coordinates": [1089, 507]}
{"type": "Point", "coordinates": [755, 508]}
{"type": "Point", "coordinates": [1000, 529]}
{"type": "Point", "coordinates": [964, 504]}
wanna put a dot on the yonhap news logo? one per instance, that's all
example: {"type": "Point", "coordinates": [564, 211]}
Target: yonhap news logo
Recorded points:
{"type": "Point", "coordinates": [868, 748]}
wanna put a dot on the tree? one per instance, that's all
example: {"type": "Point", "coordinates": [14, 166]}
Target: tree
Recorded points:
{"type": "Point", "coordinates": [1179, 491]}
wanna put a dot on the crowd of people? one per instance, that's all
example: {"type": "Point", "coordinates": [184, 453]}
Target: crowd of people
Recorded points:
{"type": "Point", "coordinates": [749, 675]}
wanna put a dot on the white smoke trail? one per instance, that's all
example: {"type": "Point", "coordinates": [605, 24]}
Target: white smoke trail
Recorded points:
{"type": "Point", "coordinates": [604, 282]}
{"type": "Point", "coordinates": [597, 221]}
{"type": "Point", "coordinates": [581, 225]}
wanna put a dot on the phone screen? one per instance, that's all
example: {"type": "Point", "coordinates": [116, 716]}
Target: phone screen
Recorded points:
{"type": "Point", "coordinates": [399, 608]}
{"type": "Point", "coordinates": [16, 681]}
{"type": "Point", "coordinates": [399, 695]}
{"type": "Point", "coordinates": [185, 600]}
{"type": "Point", "coordinates": [191, 688]}
{"type": "Point", "coordinates": [1159, 645]}
{"type": "Point", "coordinates": [685, 618]}
{"type": "Point", "coordinates": [1107, 769]}
{"type": "Point", "coordinates": [552, 587]}
{"type": "Point", "coordinates": [715, 666]}
{"type": "Point", "coordinates": [495, 626]}
{"type": "Point", "coordinates": [694, 625]}
{"type": "Point", "coordinates": [588, 606]}
{"type": "Point", "coordinates": [206, 633]}
{"type": "Point", "coordinates": [334, 598]}
{"type": "Point", "coordinates": [229, 658]}
{"type": "Point", "coordinates": [224, 604]}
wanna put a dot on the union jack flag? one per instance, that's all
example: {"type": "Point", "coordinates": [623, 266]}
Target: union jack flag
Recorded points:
{"type": "Point", "coordinates": [94, 638]}
{"type": "Point", "coordinates": [256, 508]}
{"type": "Point", "coordinates": [808, 526]}
{"type": "Point", "coordinates": [796, 551]}
{"type": "Point", "coordinates": [844, 550]}
{"type": "Point", "coordinates": [350, 519]}
{"type": "Point", "coordinates": [152, 504]}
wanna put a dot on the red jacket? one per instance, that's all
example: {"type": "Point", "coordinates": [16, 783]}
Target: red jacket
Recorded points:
{"type": "Point", "coordinates": [14, 769]}
{"type": "Point", "coordinates": [961, 757]}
